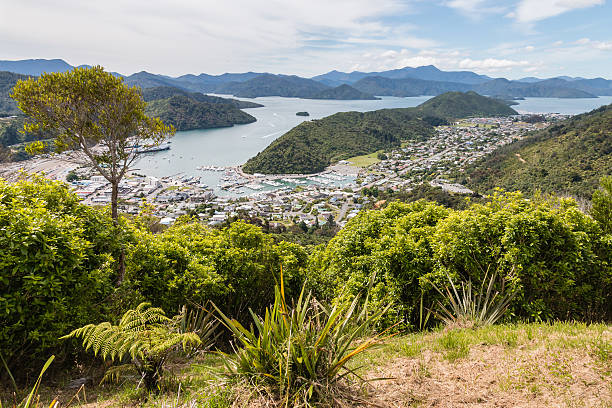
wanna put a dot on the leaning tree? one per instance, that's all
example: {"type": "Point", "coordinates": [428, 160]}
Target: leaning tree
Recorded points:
{"type": "Point", "coordinates": [94, 114]}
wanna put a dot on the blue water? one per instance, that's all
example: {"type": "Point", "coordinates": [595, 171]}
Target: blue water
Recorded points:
{"type": "Point", "coordinates": [235, 145]}
{"type": "Point", "coordinates": [563, 106]}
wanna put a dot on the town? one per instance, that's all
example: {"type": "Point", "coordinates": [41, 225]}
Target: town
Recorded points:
{"type": "Point", "coordinates": [335, 195]}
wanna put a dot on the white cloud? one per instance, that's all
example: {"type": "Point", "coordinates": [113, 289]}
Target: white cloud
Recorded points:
{"type": "Point", "coordinates": [491, 64]}
{"type": "Point", "coordinates": [529, 48]}
{"type": "Point", "coordinates": [583, 41]}
{"type": "Point", "coordinates": [466, 5]}
{"type": "Point", "coordinates": [603, 46]}
{"type": "Point", "coordinates": [443, 59]}
{"type": "Point", "coordinates": [535, 10]}
{"type": "Point", "coordinates": [200, 35]}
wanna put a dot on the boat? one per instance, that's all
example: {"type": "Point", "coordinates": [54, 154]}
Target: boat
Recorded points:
{"type": "Point", "coordinates": [153, 148]}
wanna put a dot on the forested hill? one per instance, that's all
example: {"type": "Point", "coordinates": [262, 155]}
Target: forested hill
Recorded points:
{"type": "Point", "coordinates": [402, 87]}
{"type": "Point", "coordinates": [273, 85]}
{"type": "Point", "coordinates": [569, 157]}
{"type": "Point", "coordinates": [7, 81]}
{"type": "Point", "coordinates": [462, 105]}
{"type": "Point", "coordinates": [186, 113]}
{"type": "Point", "coordinates": [163, 92]}
{"type": "Point", "coordinates": [314, 145]}
{"type": "Point", "coordinates": [343, 92]}
{"type": "Point", "coordinates": [290, 86]}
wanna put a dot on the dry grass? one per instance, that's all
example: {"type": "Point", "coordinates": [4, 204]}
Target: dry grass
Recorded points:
{"type": "Point", "coordinates": [527, 365]}
{"type": "Point", "coordinates": [523, 366]}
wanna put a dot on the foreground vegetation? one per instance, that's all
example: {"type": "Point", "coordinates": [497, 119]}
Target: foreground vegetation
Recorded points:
{"type": "Point", "coordinates": [532, 260]}
{"type": "Point", "coordinates": [536, 364]}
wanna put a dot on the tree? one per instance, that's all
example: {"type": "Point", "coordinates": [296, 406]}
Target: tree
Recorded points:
{"type": "Point", "coordinates": [602, 205]}
{"type": "Point", "coordinates": [95, 114]}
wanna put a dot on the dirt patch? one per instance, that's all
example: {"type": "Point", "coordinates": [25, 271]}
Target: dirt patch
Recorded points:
{"type": "Point", "coordinates": [495, 376]}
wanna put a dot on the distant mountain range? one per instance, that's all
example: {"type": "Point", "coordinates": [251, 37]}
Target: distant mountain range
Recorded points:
{"type": "Point", "coordinates": [428, 73]}
{"type": "Point", "coordinates": [425, 80]}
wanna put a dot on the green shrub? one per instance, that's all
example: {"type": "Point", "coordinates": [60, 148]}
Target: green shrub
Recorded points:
{"type": "Point", "coordinates": [234, 267]}
{"type": "Point", "coordinates": [602, 205]}
{"type": "Point", "coordinates": [546, 248]}
{"type": "Point", "coordinates": [548, 252]}
{"type": "Point", "coordinates": [393, 245]}
{"type": "Point", "coordinates": [56, 268]}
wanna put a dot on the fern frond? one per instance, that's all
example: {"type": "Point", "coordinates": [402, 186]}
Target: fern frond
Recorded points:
{"type": "Point", "coordinates": [144, 334]}
{"type": "Point", "coordinates": [115, 372]}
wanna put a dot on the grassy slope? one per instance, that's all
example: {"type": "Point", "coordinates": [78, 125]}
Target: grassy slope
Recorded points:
{"type": "Point", "coordinates": [566, 158]}
{"type": "Point", "coordinates": [535, 365]}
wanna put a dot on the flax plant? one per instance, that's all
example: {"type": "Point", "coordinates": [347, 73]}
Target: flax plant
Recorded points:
{"type": "Point", "coordinates": [302, 352]}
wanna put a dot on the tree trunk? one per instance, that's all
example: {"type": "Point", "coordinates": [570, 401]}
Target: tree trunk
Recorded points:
{"type": "Point", "coordinates": [114, 201]}
{"type": "Point", "coordinates": [115, 217]}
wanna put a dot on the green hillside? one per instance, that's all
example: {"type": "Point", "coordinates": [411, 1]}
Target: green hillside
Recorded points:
{"type": "Point", "coordinates": [163, 92]}
{"type": "Point", "coordinates": [569, 157]}
{"type": "Point", "coordinates": [185, 113]}
{"type": "Point", "coordinates": [343, 92]}
{"type": "Point", "coordinates": [314, 145]}
{"type": "Point", "coordinates": [462, 105]}
{"type": "Point", "coordinates": [273, 85]}
{"type": "Point", "coordinates": [377, 85]}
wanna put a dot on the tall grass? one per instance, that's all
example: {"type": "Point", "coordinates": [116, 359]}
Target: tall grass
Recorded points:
{"type": "Point", "coordinates": [301, 353]}
{"type": "Point", "coordinates": [31, 401]}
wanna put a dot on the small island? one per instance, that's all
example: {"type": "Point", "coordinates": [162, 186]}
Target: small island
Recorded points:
{"type": "Point", "coordinates": [302, 114]}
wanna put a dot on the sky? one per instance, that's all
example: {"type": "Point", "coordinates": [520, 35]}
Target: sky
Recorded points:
{"type": "Point", "coordinates": [499, 38]}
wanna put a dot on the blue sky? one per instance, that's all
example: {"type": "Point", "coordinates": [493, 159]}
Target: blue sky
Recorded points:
{"type": "Point", "coordinates": [513, 39]}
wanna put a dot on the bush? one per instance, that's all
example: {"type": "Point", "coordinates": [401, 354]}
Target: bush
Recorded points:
{"type": "Point", "coordinates": [548, 250]}
{"type": "Point", "coordinates": [551, 254]}
{"type": "Point", "coordinates": [602, 205]}
{"type": "Point", "coordinates": [56, 268]}
{"type": "Point", "coordinates": [234, 267]}
{"type": "Point", "coordinates": [391, 248]}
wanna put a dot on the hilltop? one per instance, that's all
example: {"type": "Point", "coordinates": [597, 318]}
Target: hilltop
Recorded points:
{"type": "Point", "coordinates": [186, 113]}
{"type": "Point", "coordinates": [311, 146]}
{"type": "Point", "coordinates": [457, 105]}
{"type": "Point", "coordinates": [568, 157]}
